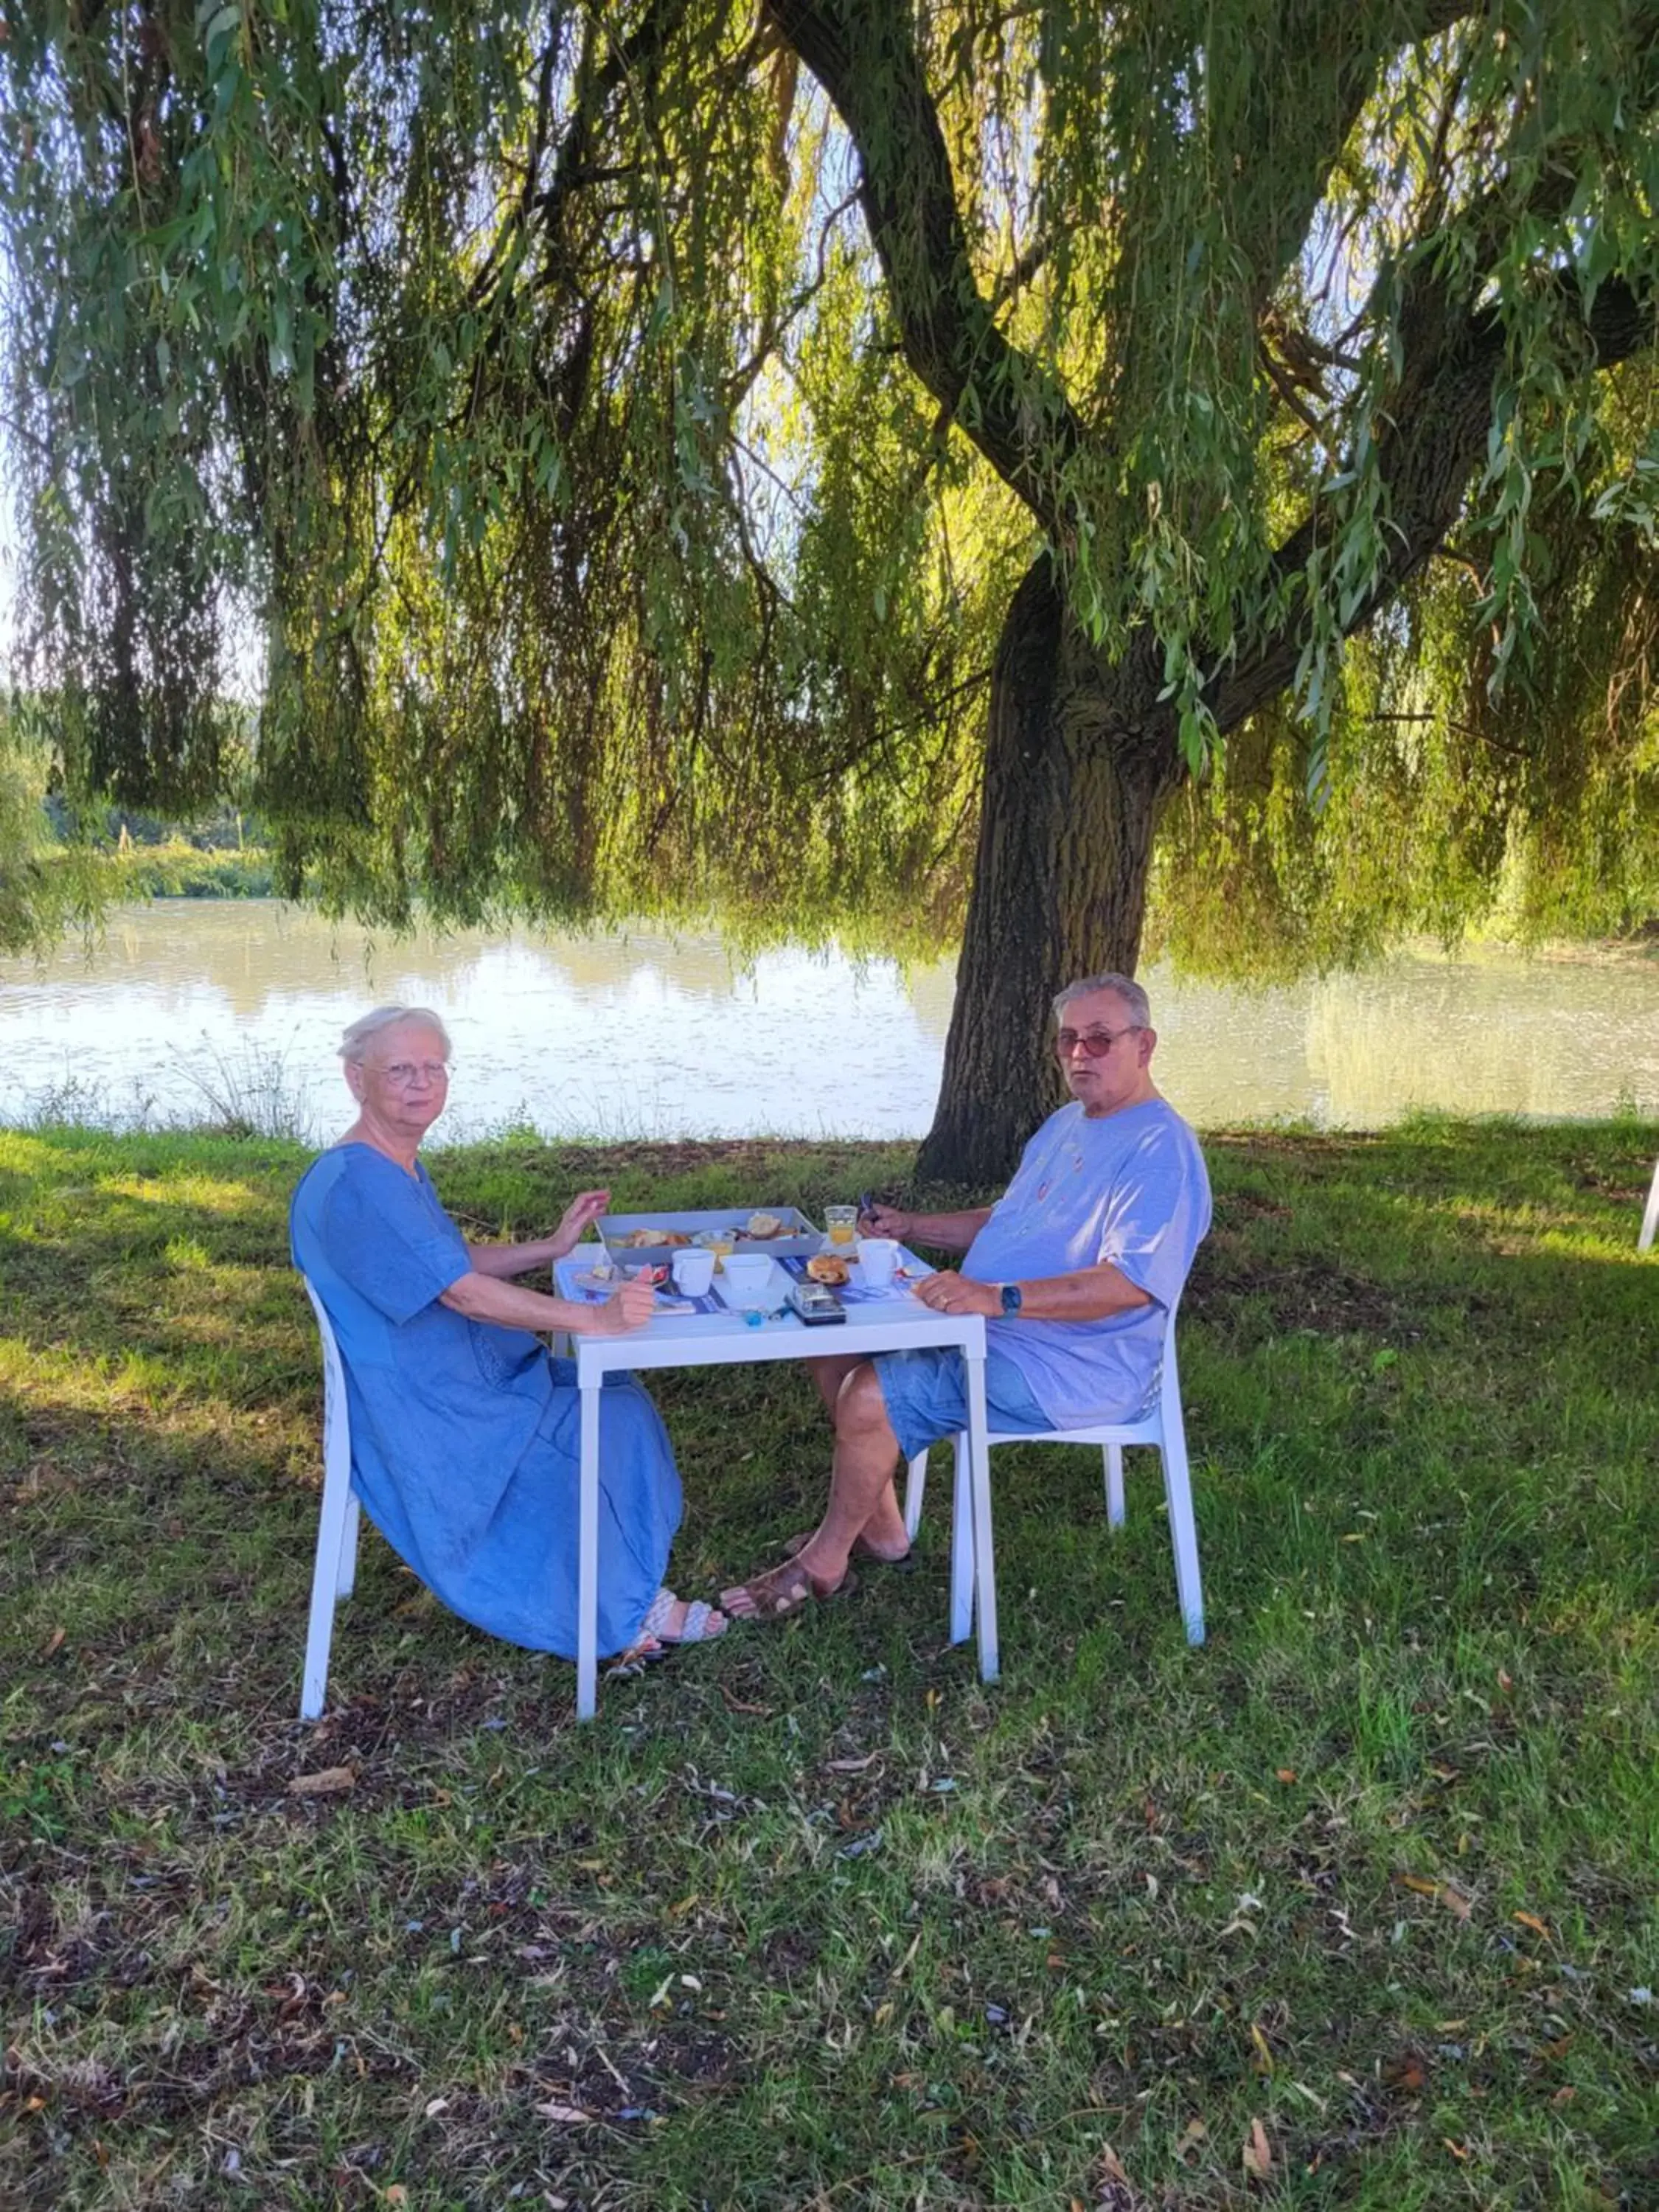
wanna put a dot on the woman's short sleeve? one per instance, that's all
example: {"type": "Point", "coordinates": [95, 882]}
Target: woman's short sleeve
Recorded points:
{"type": "Point", "coordinates": [387, 1237]}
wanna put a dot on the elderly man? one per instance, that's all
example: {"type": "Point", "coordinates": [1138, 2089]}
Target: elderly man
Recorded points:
{"type": "Point", "coordinates": [1074, 1268]}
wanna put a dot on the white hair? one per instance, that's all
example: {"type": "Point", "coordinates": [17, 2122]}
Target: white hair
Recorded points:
{"type": "Point", "coordinates": [354, 1042]}
{"type": "Point", "coordinates": [1135, 1002]}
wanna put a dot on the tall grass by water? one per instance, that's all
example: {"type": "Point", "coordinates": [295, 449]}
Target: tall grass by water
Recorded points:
{"type": "Point", "coordinates": [1355, 1906]}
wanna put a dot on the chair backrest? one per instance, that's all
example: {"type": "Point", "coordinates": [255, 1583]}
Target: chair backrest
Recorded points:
{"type": "Point", "coordinates": [1169, 1377]}
{"type": "Point", "coordinates": [336, 1434]}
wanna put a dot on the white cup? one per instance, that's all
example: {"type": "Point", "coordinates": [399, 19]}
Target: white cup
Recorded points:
{"type": "Point", "coordinates": [694, 1271]}
{"type": "Point", "coordinates": [878, 1257]}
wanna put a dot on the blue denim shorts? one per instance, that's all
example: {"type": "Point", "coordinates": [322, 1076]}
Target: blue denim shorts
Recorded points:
{"type": "Point", "coordinates": [925, 1393]}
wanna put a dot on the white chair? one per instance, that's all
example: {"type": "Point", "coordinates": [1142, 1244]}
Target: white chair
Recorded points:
{"type": "Point", "coordinates": [1162, 1426]}
{"type": "Point", "coordinates": [336, 1531]}
{"type": "Point", "coordinates": [1651, 1219]}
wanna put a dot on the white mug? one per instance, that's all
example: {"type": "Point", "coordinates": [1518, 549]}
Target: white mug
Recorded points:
{"type": "Point", "coordinates": [694, 1271]}
{"type": "Point", "coordinates": [878, 1257]}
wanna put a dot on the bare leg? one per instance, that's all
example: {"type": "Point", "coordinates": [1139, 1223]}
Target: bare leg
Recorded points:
{"type": "Point", "coordinates": [829, 1374]}
{"type": "Point", "coordinates": [862, 1501]}
{"type": "Point", "coordinates": [883, 1528]}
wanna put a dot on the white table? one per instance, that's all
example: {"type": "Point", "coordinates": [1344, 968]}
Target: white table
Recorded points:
{"type": "Point", "coordinates": [726, 1339]}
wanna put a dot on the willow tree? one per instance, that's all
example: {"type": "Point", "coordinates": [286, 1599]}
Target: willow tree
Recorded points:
{"type": "Point", "coordinates": [873, 457]}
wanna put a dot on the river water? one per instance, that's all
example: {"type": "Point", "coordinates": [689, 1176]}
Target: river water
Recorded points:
{"type": "Point", "coordinates": [186, 1007]}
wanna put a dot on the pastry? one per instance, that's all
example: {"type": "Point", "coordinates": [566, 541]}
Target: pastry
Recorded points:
{"type": "Point", "coordinates": [763, 1225]}
{"type": "Point", "coordinates": [828, 1267]}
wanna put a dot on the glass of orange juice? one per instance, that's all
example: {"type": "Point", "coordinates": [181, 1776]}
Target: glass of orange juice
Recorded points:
{"type": "Point", "coordinates": [722, 1242]}
{"type": "Point", "coordinates": [842, 1224]}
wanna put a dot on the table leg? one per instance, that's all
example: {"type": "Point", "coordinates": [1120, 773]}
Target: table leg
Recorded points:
{"type": "Point", "coordinates": [985, 1572]}
{"type": "Point", "coordinates": [962, 1539]}
{"type": "Point", "coordinates": [587, 1554]}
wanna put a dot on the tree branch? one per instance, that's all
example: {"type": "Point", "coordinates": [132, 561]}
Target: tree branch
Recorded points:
{"type": "Point", "coordinates": [863, 52]}
{"type": "Point", "coordinates": [1441, 424]}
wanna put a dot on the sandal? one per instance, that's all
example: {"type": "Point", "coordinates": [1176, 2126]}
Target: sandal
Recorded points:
{"type": "Point", "coordinates": [905, 1564]}
{"type": "Point", "coordinates": [628, 1666]}
{"type": "Point", "coordinates": [782, 1590]}
{"type": "Point", "coordinates": [694, 1629]}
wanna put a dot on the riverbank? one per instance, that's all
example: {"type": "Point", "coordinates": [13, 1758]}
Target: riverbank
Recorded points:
{"type": "Point", "coordinates": [230, 1009]}
{"type": "Point", "coordinates": [175, 869]}
{"type": "Point", "coordinates": [1359, 1897]}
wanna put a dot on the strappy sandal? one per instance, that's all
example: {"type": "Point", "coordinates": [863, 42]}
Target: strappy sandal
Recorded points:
{"type": "Point", "coordinates": [785, 1589]}
{"type": "Point", "coordinates": [628, 1666]}
{"type": "Point", "coordinates": [694, 1629]}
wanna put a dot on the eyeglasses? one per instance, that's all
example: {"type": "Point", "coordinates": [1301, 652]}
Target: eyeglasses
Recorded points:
{"type": "Point", "coordinates": [404, 1074]}
{"type": "Point", "coordinates": [1096, 1042]}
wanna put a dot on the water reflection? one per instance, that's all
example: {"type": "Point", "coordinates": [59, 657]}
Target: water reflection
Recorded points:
{"type": "Point", "coordinates": [638, 1033]}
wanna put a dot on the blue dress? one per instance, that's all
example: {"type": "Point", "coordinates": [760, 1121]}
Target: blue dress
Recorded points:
{"type": "Point", "coordinates": [465, 1435]}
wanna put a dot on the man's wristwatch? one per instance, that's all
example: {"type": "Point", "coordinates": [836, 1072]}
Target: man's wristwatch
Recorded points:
{"type": "Point", "coordinates": [1012, 1300]}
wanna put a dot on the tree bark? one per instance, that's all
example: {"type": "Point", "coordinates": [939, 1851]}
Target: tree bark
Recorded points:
{"type": "Point", "coordinates": [1079, 761]}
{"type": "Point", "coordinates": [1081, 756]}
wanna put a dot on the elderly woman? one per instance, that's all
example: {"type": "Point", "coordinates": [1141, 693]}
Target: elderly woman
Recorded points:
{"type": "Point", "coordinates": [464, 1431]}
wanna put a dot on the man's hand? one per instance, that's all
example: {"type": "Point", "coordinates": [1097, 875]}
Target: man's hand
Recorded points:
{"type": "Point", "coordinates": [582, 1212]}
{"type": "Point", "coordinates": [886, 1221]}
{"type": "Point", "coordinates": [631, 1307]}
{"type": "Point", "coordinates": [948, 1292]}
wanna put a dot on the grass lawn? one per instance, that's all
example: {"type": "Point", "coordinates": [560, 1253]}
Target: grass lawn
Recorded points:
{"type": "Point", "coordinates": [1353, 1906]}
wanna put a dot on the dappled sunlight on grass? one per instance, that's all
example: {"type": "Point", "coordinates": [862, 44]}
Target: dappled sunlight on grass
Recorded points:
{"type": "Point", "coordinates": [812, 1913]}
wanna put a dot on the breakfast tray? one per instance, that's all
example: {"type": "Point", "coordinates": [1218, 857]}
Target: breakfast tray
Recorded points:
{"type": "Point", "coordinates": [798, 1238]}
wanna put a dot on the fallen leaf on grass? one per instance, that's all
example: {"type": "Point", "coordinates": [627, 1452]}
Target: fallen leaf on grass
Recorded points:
{"type": "Point", "coordinates": [1258, 2153]}
{"type": "Point", "coordinates": [1264, 2051]}
{"type": "Point", "coordinates": [567, 2115]}
{"type": "Point", "coordinates": [850, 1766]}
{"type": "Point", "coordinates": [1531, 1920]}
{"type": "Point", "coordinates": [1192, 2135]}
{"type": "Point", "coordinates": [326, 1781]}
{"type": "Point", "coordinates": [53, 1643]}
{"type": "Point", "coordinates": [737, 1705]}
{"type": "Point", "coordinates": [1285, 1773]}
{"type": "Point", "coordinates": [1443, 1892]}
{"type": "Point", "coordinates": [1455, 2149]}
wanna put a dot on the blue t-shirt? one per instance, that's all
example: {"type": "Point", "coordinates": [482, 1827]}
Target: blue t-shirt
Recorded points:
{"type": "Point", "coordinates": [1129, 1188]}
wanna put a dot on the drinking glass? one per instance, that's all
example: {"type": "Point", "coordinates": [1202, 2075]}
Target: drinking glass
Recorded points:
{"type": "Point", "coordinates": [842, 1222]}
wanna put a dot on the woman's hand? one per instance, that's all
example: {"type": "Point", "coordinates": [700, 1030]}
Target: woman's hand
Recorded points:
{"type": "Point", "coordinates": [631, 1307]}
{"type": "Point", "coordinates": [886, 1221]}
{"type": "Point", "coordinates": [580, 1215]}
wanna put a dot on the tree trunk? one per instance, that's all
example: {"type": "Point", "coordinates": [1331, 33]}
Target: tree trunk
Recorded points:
{"type": "Point", "coordinates": [1079, 760]}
